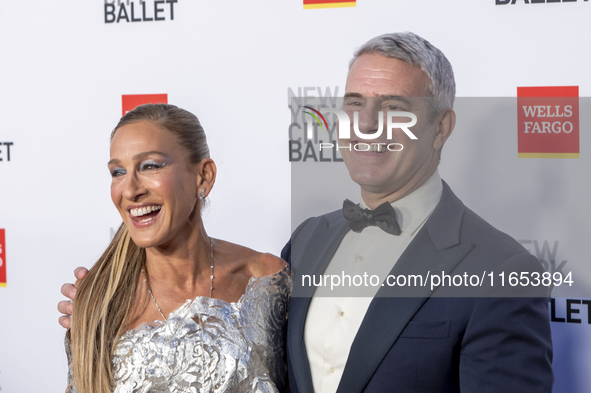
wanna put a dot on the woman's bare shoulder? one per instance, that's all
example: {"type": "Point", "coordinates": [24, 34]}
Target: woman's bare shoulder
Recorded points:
{"type": "Point", "coordinates": [257, 263]}
{"type": "Point", "coordinates": [264, 264]}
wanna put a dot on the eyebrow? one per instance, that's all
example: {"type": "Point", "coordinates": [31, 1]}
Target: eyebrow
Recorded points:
{"type": "Point", "coordinates": [139, 156]}
{"type": "Point", "coordinates": [353, 95]}
{"type": "Point", "coordinates": [384, 97]}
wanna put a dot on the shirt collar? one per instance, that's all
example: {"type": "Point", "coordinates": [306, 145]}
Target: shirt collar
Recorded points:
{"type": "Point", "coordinates": [415, 208]}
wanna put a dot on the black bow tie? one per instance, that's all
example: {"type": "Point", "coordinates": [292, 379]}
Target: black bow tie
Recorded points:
{"type": "Point", "coordinates": [383, 216]}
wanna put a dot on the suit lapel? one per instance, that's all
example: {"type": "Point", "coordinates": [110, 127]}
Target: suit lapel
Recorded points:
{"type": "Point", "coordinates": [318, 252]}
{"type": "Point", "coordinates": [436, 248]}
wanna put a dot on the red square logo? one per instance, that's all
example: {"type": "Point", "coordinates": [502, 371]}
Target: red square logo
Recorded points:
{"type": "Point", "coordinates": [2, 259]}
{"type": "Point", "coordinates": [130, 101]}
{"type": "Point", "coordinates": [548, 122]}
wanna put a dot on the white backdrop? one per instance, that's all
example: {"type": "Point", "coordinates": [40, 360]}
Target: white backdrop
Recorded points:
{"type": "Point", "coordinates": [63, 71]}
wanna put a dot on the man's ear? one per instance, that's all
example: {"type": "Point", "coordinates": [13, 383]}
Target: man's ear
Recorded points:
{"type": "Point", "coordinates": [206, 173]}
{"type": "Point", "coordinates": [445, 126]}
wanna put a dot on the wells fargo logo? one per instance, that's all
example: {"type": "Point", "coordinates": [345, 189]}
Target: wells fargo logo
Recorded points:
{"type": "Point", "coordinates": [548, 122]}
{"type": "Point", "coordinates": [2, 258]}
{"type": "Point", "coordinates": [314, 4]}
{"type": "Point", "coordinates": [130, 101]}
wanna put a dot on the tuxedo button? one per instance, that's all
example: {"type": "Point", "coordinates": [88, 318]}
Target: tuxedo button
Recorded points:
{"type": "Point", "coordinates": [342, 313]}
{"type": "Point", "coordinates": [360, 259]}
{"type": "Point", "coordinates": [331, 370]}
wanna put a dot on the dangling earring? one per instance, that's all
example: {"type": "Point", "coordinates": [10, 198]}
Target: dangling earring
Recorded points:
{"type": "Point", "coordinates": [202, 193]}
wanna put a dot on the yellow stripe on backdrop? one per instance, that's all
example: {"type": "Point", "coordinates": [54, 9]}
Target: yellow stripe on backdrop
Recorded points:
{"type": "Point", "coordinates": [548, 155]}
{"type": "Point", "coordinates": [329, 5]}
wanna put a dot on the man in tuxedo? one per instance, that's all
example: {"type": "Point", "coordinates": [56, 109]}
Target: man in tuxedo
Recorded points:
{"type": "Point", "coordinates": [410, 339]}
{"type": "Point", "coordinates": [413, 338]}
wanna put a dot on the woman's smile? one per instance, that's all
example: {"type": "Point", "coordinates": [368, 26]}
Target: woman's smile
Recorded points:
{"type": "Point", "coordinates": [143, 216]}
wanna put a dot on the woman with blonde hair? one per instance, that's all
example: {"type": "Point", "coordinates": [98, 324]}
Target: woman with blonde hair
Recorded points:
{"type": "Point", "coordinates": [132, 327]}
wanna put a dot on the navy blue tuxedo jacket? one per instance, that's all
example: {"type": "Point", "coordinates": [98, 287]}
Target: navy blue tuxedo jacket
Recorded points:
{"type": "Point", "coordinates": [434, 341]}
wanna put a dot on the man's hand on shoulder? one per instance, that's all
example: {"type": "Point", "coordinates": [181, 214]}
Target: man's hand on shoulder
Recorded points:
{"type": "Point", "coordinates": [69, 291]}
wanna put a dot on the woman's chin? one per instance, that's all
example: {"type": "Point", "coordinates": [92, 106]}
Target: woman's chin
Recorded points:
{"type": "Point", "coordinates": [145, 243]}
{"type": "Point", "coordinates": [145, 239]}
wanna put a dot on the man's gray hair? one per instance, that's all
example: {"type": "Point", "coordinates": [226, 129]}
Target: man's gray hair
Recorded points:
{"type": "Point", "coordinates": [417, 51]}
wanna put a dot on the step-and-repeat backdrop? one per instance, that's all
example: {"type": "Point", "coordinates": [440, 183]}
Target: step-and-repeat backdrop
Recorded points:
{"type": "Point", "coordinates": [68, 71]}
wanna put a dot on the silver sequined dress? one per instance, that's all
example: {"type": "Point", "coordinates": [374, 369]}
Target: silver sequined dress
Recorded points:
{"type": "Point", "coordinates": [209, 345]}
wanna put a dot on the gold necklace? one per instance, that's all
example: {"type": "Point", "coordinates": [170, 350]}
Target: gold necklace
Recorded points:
{"type": "Point", "coordinates": [150, 289]}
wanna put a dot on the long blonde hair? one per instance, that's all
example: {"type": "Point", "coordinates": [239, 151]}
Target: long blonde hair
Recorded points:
{"type": "Point", "coordinates": [105, 298]}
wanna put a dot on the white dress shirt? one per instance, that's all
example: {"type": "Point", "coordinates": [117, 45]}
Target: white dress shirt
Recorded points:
{"type": "Point", "coordinates": [333, 322]}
